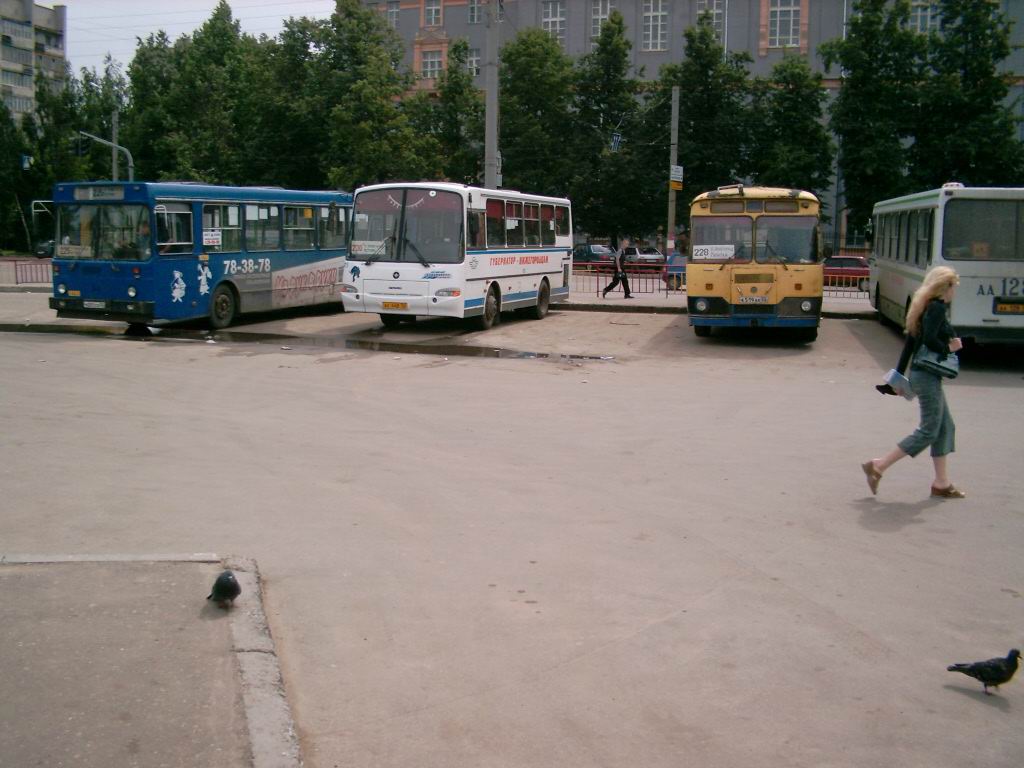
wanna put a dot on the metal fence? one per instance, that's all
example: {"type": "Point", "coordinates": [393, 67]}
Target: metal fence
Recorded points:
{"type": "Point", "coordinates": [643, 278]}
{"type": "Point", "coordinates": [851, 286]}
{"type": "Point", "coordinates": [27, 272]}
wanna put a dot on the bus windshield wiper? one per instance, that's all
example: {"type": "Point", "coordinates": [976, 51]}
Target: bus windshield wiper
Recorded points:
{"type": "Point", "coordinates": [377, 255]}
{"type": "Point", "coordinates": [769, 251]}
{"type": "Point", "coordinates": [419, 256]}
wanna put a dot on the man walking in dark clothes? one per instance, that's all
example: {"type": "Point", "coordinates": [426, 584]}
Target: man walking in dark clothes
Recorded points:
{"type": "Point", "coordinates": [620, 272]}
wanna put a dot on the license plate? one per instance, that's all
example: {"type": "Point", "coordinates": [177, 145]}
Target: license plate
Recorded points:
{"type": "Point", "coordinates": [1008, 308]}
{"type": "Point", "coordinates": [94, 304]}
{"type": "Point", "coordinates": [395, 305]}
{"type": "Point", "coordinates": [753, 299]}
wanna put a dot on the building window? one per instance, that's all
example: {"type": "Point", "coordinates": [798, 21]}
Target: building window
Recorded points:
{"type": "Point", "coordinates": [600, 10]}
{"type": "Point", "coordinates": [655, 26]}
{"type": "Point", "coordinates": [18, 103]}
{"type": "Point", "coordinates": [17, 78]}
{"type": "Point", "coordinates": [394, 6]}
{"type": "Point", "coordinates": [430, 64]}
{"type": "Point", "coordinates": [432, 13]}
{"type": "Point", "coordinates": [473, 61]}
{"type": "Point", "coordinates": [784, 24]}
{"type": "Point", "coordinates": [16, 55]}
{"type": "Point", "coordinates": [552, 19]}
{"type": "Point", "coordinates": [717, 10]}
{"type": "Point", "coordinates": [475, 12]}
{"type": "Point", "coordinates": [924, 16]}
{"type": "Point", "coordinates": [14, 29]}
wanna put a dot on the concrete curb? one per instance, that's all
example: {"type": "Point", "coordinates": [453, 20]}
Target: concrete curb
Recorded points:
{"type": "Point", "coordinates": [25, 288]}
{"type": "Point", "coordinates": [272, 736]}
{"type": "Point", "coordinates": [649, 310]}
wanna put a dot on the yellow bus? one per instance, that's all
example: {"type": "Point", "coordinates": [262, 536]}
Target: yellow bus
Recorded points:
{"type": "Point", "coordinates": [755, 260]}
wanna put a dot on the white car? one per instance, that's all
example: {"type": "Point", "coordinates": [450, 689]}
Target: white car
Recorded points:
{"type": "Point", "coordinates": [644, 255]}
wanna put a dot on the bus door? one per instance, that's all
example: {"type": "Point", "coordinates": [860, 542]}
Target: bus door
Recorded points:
{"type": "Point", "coordinates": [181, 282]}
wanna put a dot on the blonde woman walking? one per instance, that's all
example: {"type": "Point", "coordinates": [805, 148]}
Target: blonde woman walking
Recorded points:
{"type": "Point", "coordinates": [928, 323]}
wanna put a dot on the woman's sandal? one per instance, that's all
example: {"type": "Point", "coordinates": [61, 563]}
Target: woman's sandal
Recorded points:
{"type": "Point", "coordinates": [874, 476]}
{"type": "Point", "coordinates": [949, 492]}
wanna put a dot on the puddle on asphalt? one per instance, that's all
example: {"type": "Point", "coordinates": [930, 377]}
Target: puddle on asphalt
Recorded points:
{"type": "Point", "coordinates": [136, 333]}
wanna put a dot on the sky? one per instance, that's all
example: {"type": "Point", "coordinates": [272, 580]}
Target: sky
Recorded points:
{"type": "Point", "coordinates": [98, 27]}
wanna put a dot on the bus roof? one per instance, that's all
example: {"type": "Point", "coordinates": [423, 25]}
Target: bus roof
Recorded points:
{"type": "Point", "coordinates": [739, 190]}
{"type": "Point", "coordinates": [932, 197]}
{"type": "Point", "coordinates": [137, 191]}
{"type": "Point", "coordinates": [451, 186]}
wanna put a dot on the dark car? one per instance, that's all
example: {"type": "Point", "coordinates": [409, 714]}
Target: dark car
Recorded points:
{"type": "Point", "coordinates": [847, 272]}
{"type": "Point", "coordinates": [674, 273]}
{"type": "Point", "coordinates": [592, 253]}
{"type": "Point", "coordinates": [44, 249]}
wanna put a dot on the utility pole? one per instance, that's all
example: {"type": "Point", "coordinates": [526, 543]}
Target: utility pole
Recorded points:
{"type": "Point", "coordinates": [492, 177]}
{"type": "Point", "coordinates": [116, 148]}
{"type": "Point", "coordinates": [113, 147]}
{"type": "Point", "coordinates": [670, 233]}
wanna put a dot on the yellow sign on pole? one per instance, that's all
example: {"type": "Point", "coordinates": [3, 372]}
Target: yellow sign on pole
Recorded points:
{"type": "Point", "coordinates": [676, 185]}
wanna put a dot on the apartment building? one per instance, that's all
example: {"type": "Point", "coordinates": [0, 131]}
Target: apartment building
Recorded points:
{"type": "Point", "coordinates": [32, 42]}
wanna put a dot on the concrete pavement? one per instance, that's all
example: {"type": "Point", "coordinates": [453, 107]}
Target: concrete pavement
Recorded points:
{"type": "Point", "coordinates": [121, 661]}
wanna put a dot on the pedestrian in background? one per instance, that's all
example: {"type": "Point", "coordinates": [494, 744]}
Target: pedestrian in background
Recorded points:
{"type": "Point", "coordinates": [620, 272]}
{"type": "Point", "coordinates": [928, 323]}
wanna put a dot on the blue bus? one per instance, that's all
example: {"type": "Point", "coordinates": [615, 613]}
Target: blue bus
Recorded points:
{"type": "Point", "coordinates": [147, 253]}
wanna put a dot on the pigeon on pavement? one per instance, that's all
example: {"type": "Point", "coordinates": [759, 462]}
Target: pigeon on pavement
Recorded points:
{"type": "Point", "coordinates": [993, 672]}
{"type": "Point", "coordinates": [225, 590]}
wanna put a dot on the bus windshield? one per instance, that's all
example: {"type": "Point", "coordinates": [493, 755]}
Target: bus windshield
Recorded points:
{"type": "Point", "coordinates": [407, 225]}
{"type": "Point", "coordinates": [787, 239]}
{"type": "Point", "coordinates": [103, 232]}
{"type": "Point", "coordinates": [775, 239]}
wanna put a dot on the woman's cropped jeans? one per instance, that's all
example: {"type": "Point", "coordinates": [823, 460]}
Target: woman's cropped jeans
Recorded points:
{"type": "Point", "coordinates": [936, 429]}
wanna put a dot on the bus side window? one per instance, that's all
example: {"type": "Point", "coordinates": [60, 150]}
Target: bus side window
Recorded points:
{"type": "Point", "coordinates": [514, 224]}
{"type": "Point", "coordinates": [924, 239]}
{"type": "Point", "coordinates": [495, 223]}
{"type": "Point", "coordinates": [547, 224]}
{"type": "Point", "coordinates": [475, 228]}
{"type": "Point", "coordinates": [262, 228]}
{"type": "Point", "coordinates": [173, 227]}
{"type": "Point", "coordinates": [533, 224]}
{"type": "Point", "coordinates": [298, 228]}
{"type": "Point", "coordinates": [561, 220]}
{"type": "Point", "coordinates": [331, 224]}
{"type": "Point", "coordinates": [222, 228]}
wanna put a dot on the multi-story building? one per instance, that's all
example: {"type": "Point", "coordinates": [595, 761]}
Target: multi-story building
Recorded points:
{"type": "Point", "coordinates": [32, 42]}
{"type": "Point", "coordinates": [765, 29]}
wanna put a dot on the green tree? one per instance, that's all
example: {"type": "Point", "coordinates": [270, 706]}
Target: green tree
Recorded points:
{"type": "Point", "coordinates": [791, 146]}
{"type": "Point", "coordinates": [459, 118]}
{"type": "Point", "coordinates": [965, 131]}
{"type": "Point", "coordinates": [149, 115]}
{"type": "Point", "coordinates": [535, 106]}
{"type": "Point", "coordinates": [371, 136]}
{"type": "Point", "coordinates": [608, 183]}
{"type": "Point", "coordinates": [12, 182]}
{"type": "Point", "coordinates": [875, 112]}
{"type": "Point", "coordinates": [713, 113]}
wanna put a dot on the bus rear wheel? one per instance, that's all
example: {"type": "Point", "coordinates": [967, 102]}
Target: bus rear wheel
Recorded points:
{"type": "Point", "coordinates": [223, 306]}
{"type": "Point", "coordinates": [540, 311]}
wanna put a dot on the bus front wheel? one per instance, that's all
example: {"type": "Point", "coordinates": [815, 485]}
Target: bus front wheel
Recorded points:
{"type": "Point", "coordinates": [390, 321]}
{"type": "Point", "coordinates": [223, 307]}
{"type": "Point", "coordinates": [492, 310]}
{"type": "Point", "coordinates": [702, 330]}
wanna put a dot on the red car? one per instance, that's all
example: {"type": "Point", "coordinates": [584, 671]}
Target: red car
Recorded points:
{"type": "Point", "coordinates": [847, 272]}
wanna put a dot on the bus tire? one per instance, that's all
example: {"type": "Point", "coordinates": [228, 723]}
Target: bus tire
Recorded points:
{"type": "Point", "coordinates": [492, 310]}
{"type": "Point", "coordinates": [223, 306]}
{"type": "Point", "coordinates": [703, 331]}
{"type": "Point", "coordinates": [389, 320]}
{"type": "Point", "coordinates": [540, 311]}
{"type": "Point", "coordinates": [807, 335]}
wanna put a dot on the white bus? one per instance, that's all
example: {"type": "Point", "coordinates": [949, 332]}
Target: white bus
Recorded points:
{"type": "Point", "coordinates": [450, 250]}
{"type": "Point", "coordinates": [979, 232]}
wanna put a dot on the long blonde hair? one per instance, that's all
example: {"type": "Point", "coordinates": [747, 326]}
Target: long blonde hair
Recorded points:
{"type": "Point", "coordinates": [936, 283]}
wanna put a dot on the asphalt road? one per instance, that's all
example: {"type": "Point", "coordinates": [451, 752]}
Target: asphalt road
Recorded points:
{"type": "Point", "coordinates": [665, 558]}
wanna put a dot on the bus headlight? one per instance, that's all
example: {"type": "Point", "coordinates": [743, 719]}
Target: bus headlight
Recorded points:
{"type": "Point", "coordinates": [449, 292]}
{"type": "Point", "coordinates": [62, 289]}
{"type": "Point", "coordinates": [701, 305]}
{"type": "Point", "coordinates": [805, 306]}
{"type": "Point", "coordinates": [347, 288]}
{"type": "Point", "coordinates": [131, 291]}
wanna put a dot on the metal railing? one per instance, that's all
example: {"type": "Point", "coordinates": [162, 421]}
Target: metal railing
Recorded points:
{"type": "Point", "coordinates": [28, 272]}
{"type": "Point", "coordinates": [845, 285]}
{"type": "Point", "coordinates": [643, 278]}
